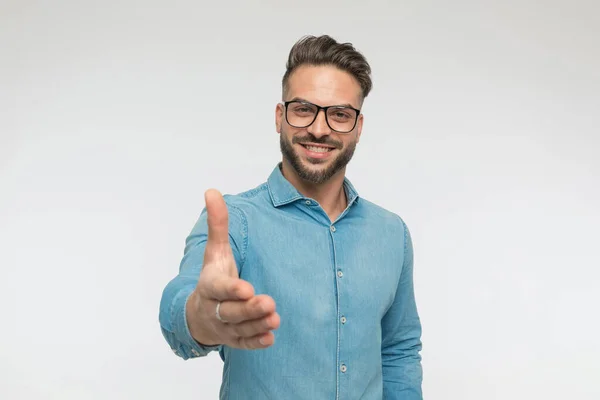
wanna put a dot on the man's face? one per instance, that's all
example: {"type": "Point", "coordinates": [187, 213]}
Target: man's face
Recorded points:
{"type": "Point", "coordinates": [317, 152]}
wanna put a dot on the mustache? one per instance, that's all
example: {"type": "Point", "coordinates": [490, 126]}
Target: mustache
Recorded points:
{"type": "Point", "coordinates": [323, 140]}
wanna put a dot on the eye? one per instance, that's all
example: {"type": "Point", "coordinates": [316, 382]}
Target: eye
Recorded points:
{"type": "Point", "coordinates": [341, 114]}
{"type": "Point", "coordinates": [302, 109]}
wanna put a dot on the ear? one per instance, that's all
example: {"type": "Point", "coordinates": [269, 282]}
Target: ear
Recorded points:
{"type": "Point", "coordinates": [359, 125]}
{"type": "Point", "coordinates": [278, 117]}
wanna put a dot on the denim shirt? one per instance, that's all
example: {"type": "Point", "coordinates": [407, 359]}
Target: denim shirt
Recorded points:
{"type": "Point", "coordinates": [344, 292]}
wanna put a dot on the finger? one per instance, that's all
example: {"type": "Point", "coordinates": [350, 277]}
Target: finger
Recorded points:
{"type": "Point", "coordinates": [218, 218]}
{"type": "Point", "coordinates": [256, 327]}
{"type": "Point", "coordinates": [256, 342]}
{"type": "Point", "coordinates": [224, 287]}
{"type": "Point", "coordinates": [256, 307]}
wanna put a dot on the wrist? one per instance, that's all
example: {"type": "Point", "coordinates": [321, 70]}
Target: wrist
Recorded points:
{"type": "Point", "coordinates": [197, 321]}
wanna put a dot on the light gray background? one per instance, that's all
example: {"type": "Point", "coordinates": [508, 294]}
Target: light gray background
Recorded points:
{"type": "Point", "coordinates": [482, 132]}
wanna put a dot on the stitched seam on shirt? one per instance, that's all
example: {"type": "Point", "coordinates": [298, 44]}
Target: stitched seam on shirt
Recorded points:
{"type": "Point", "coordinates": [244, 233]}
{"type": "Point", "coordinates": [272, 194]}
{"type": "Point", "coordinates": [405, 229]}
{"type": "Point", "coordinates": [254, 192]}
{"type": "Point", "coordinates": [273, 197]}
{"type": "Point", "coordinates": [337, 323]}
{"type": "Point", "coordinates": [276, 201]}
{"type": "Point", "coordinates": [228, 383]}
{"type": "Point", "coordinates": [405, 241]}
{"type": "Point", "coordinates": [178, 320]}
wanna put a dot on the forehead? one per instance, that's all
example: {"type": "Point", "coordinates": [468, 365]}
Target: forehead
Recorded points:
{"type": "Point", "coordinates": [324, 85]}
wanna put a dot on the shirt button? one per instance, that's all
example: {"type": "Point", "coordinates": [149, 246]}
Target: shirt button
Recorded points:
{"type": "Point", "coordinates": [308, 203]}
{"type": "Point", "coordinates": [343, 319]}
{"type": "Point", "coordinates": [332, 229]}
{"type": "Point", "coordinates": [340, 274]}
{"type": "Point", "coordinates": [343, 368]}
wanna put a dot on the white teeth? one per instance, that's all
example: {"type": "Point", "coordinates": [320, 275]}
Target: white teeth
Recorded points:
{"type": "Point", "coordinates": [318, 149]}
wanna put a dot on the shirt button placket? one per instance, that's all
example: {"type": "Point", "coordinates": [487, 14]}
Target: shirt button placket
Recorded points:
{"type": "Point", "coordinates": [340, 275]}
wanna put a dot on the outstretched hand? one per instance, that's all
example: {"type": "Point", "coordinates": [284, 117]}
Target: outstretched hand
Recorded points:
{"type": "Point", "coordinates": [247, 320]}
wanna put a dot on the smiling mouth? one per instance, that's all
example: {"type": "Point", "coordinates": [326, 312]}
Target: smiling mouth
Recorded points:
{"type": "Point", "coordinates": [317, 149]}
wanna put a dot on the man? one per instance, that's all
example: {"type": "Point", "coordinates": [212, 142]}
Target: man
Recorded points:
{"type": "Point", "coordinates": [305, 289]}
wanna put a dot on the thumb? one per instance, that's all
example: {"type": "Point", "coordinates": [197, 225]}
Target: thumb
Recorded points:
{"type": "Point", "coordinates": [218, 219]}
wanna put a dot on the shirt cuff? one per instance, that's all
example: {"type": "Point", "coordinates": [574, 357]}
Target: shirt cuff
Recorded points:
{"type": "Point", "coordinates": [182, 330]}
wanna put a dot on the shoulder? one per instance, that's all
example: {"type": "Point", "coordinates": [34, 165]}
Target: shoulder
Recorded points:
{"type": "Point", "coordinates": [245, 201]}
{"type": "Point", "coordinates": [243, 205]}
{"type": "Point", "coordinates": [238, 206]}
{"type": "Point", "coordinates": [381, 215]}
{"type": "Point", "coordinates": [390, 224]}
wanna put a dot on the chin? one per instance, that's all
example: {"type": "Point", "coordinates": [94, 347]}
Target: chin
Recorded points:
{"type": "Point", "coordinates": [314, 171]}
{"type": "Point", "coordinates": [315, 163]}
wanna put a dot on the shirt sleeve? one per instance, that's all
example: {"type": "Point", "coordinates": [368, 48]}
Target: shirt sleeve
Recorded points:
{"type": "Point", "coordinates": [401, 337]}
{"type": "Point", "coordinates": [172, 316]}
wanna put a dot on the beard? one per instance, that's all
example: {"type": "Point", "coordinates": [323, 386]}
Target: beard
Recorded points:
{"type": "Point", "coordinates": [321, 175]}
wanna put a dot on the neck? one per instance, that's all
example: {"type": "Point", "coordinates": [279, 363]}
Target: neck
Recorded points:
{"type": "Point", "coordinates": [330, 195]}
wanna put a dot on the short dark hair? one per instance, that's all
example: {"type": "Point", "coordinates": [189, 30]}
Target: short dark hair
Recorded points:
{"type": "Point", "coordinates": [324, 50]}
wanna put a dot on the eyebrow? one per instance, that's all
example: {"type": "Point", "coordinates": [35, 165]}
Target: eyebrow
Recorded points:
{"type": "Point", "coordinates": [335, 105]}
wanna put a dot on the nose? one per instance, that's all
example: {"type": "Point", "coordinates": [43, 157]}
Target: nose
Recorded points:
{"type": "Point", "coordinates": [319, 126]}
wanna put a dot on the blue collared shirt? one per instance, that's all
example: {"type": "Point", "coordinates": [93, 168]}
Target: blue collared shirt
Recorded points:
{"type": "Point", "coordinates": [344, 292]}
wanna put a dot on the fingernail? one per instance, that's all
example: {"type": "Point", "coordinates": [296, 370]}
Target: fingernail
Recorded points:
{"type": "Point", "coordinates": [261, 341]}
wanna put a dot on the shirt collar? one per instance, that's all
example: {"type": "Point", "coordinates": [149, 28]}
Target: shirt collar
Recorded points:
{"type": "Point", "coordinates": [283, 192]}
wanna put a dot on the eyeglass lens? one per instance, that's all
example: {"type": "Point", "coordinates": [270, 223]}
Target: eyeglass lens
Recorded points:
{"type": "Point", "coordinates": [301, 115]}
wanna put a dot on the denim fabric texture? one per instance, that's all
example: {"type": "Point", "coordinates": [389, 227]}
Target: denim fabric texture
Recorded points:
{"type": "Point", "coordinates": [343, 289]}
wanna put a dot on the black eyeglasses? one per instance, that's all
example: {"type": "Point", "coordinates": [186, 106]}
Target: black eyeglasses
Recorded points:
{"type": "Point", "coordinates": [301, 114]}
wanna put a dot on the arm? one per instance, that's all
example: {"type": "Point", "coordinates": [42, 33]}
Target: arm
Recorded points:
{"type": "Point", "coordinates": [172, 314]}
{"type": "Point", "coordinates": [401, 337]}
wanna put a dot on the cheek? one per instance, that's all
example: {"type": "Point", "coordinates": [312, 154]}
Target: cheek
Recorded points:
{"type": "Point", "coordinates": [349, 141]}
{"type": "Point", "coordinates": [290, 132]}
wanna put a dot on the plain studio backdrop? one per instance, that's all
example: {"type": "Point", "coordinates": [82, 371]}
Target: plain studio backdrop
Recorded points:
{"type": "Point", "coordinates": [482, 132]}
